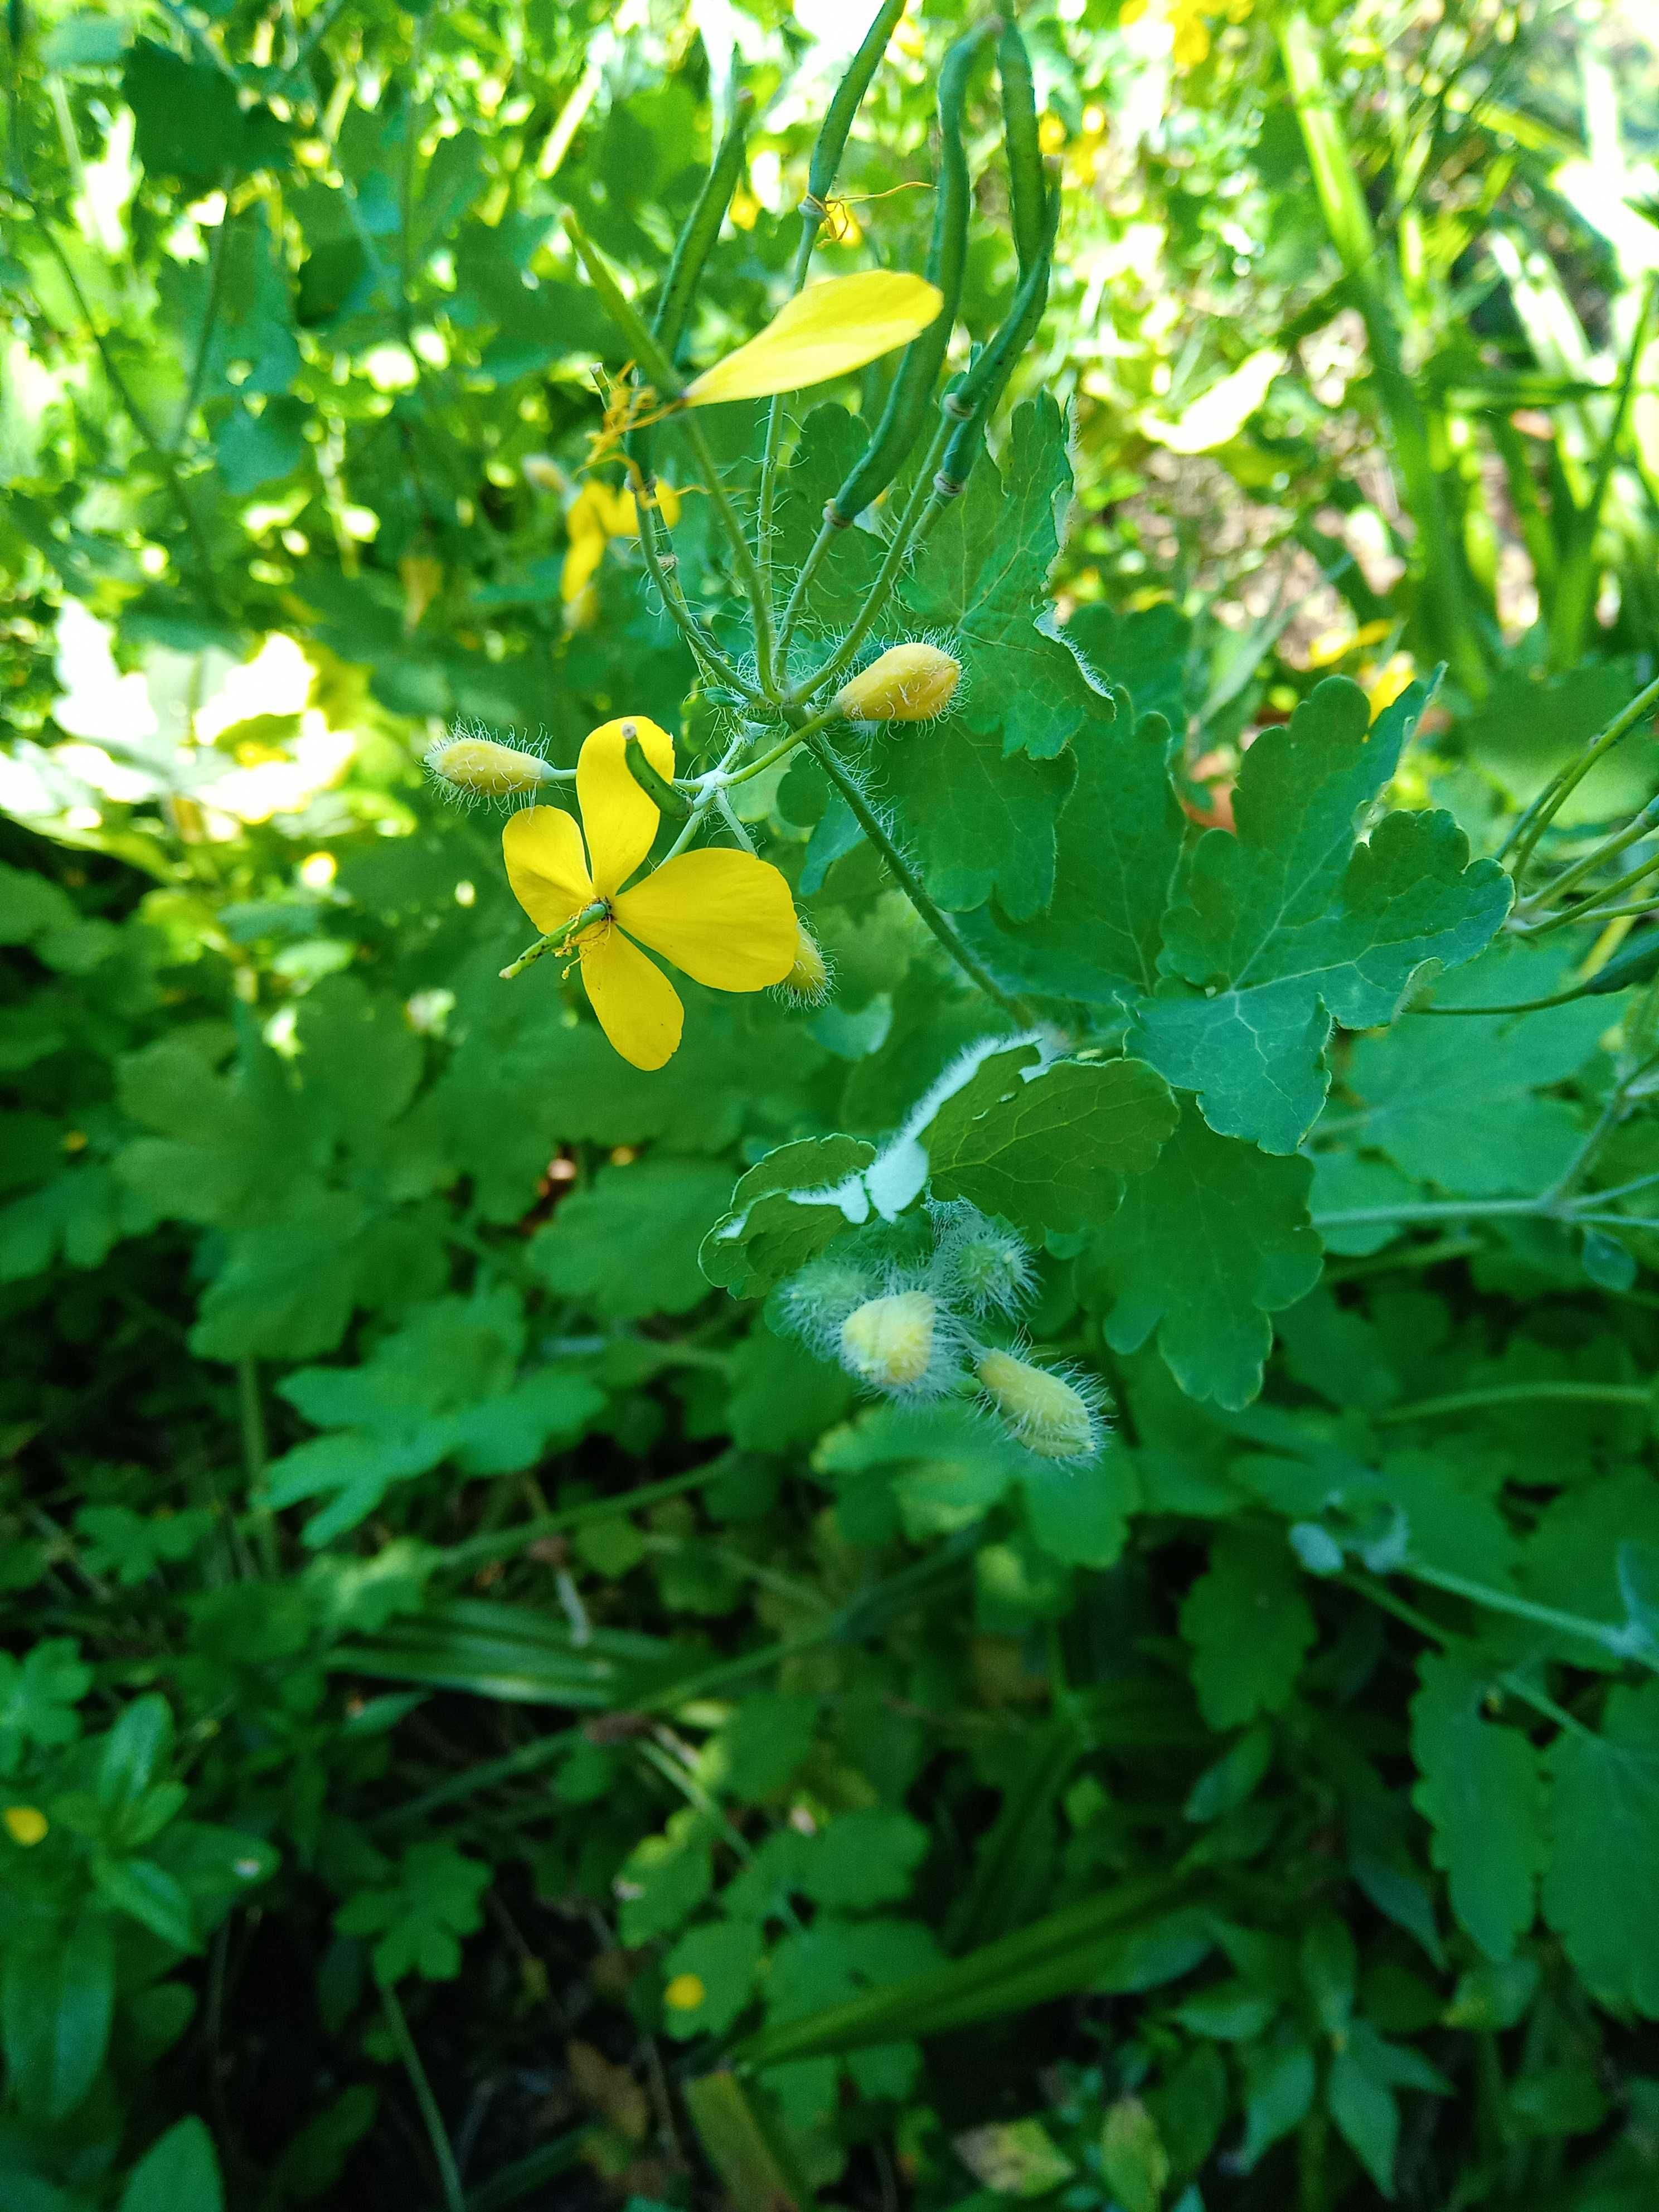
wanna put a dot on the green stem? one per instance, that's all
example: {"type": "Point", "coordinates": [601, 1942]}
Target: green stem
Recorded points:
{"type": "Point", "coordinates": [1620, 1641]}
{"type": "Point", "coordinates": [922, 510]}
{"type": "Point", "coordinates": [1520, 1394]}
{"type": "Point", "coordinates": [217, 258]}
{"type": "Point", "coordinates": [647, 354]}
{"type": "Point", "coordinates": [769, 475]}
{"type": "Point", "coordinates": [163, 460]}
{"type": "Point", "coordinates": [1570, 878]}
{"type": "Point", "coordinates": [742, 551]}
{"type": "Point", "coordinates": [502, 1543]}
{"type": "Point", "coordinates": [437, 2134]}
{"type": "Point", "coordinates": [913, 887]}
{"type": "Point", "coordinates": [780, 752]}
{"type": "Point", "coordinates": [1431, 1632]}
{"type": "Point", "coordinates": [1524, 836]}
{"type": "Point", "coordinates": [696, 634]}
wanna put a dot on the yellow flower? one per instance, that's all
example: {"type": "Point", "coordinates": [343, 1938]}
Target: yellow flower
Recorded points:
{"type": "Point", "coordinates": [685, 1993]}
{"type": "Point", "coordinates": [826, 330]}
{"type": "Point", "coordinates": [25, 1825]}
{"type": "Point", "coordinates": [726, 918]}
{"type": "Point", "coordinates": [595, 516]}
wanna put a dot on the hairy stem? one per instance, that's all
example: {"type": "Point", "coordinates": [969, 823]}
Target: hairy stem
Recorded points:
{"type": "Point", "coordinates": [913, 887]}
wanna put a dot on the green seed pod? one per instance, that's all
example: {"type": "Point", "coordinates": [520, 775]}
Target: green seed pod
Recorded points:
{"type": "Point", "coordinates": [655, 786]}
{"type": "Point", "coordinates": [1027, 193]}
{"type": "Point", "coordinates": [974, 398]}
{"type": "Point", "coordinates": [702, 227]}
{"type": "Point", "coordinates": [850, 95]}
{"type": "Point", "coordinates": [909, 402]}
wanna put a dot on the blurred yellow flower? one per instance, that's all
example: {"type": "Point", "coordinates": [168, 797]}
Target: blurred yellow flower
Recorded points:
{"type": "Point", "coordinates": [594, 517]}
{"type": "Point", "coordinates": [1383, 685]}
{"type": "Point", "coordinates": [726, 918]}
{"type": "Point", "coordinates": [25, 1825]}
{"type": "Point", "coordinates": [685, 1993]}
{"type": "Point", "coordinates": [826, 330]}
{"type": "Point", "coordinates": [1190, 32]}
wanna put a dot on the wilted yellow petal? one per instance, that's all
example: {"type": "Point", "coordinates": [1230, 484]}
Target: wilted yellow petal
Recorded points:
{"type": "Point", "coordinates": [619, 819]}
{"type": "Point", "coordinates": [1221, 412]}
{"type": "Point", "coordinates": [638, 1007]}
{"type": "Point", "coordinates": [727, 918]}
{"type": "Point", "coordinates": [825, 330]}
{"type": "Point", "coordinates": [545, 865]}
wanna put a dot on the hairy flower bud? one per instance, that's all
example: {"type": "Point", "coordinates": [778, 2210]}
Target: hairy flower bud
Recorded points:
{"type": "Point", "coordinates": [484, 769]}
{"type": "Point", "coordinates": [808, 980]}
{"type": "Point", "coordinates": [908, 684]}
{"type": "Point", "coordinates": [889, 1341]}
{"type": "Point", "coordinates": [1049, 1415]}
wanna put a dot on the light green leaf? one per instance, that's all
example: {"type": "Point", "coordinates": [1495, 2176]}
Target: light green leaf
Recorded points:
{"type": "Point", "coordinates": [1205, 1245]}
{"type": "Point", "coordinates": [784, 1211]}
{"type": "Point", "coordinates": [39, 1694]}
{"type": "Point", "coordinates": [1049, 1149]}
{"type": "Point", "coordinates": [982, 583]}
{"type": "Point", "coordinates": [1290, 924]}
{"type": "Point", "coordinates": [1115, 851]}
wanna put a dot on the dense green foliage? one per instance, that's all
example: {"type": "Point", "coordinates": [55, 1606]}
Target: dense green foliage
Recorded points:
{"type": "Point", "coordinates": [517, 1689]}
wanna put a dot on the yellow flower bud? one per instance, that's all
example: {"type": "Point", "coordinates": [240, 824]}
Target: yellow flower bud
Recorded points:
{"type": "Point", "coordinates": [685, 1993]}
{"type": "Point", "coordinates": [809, 979]}
{"type": "Point", "coordinates": [908, 684]}
{"type": "Point", "coordinates": [25, 1825]}
{"type": "Point", "coordinates": [889, 1341]}
{"type": "Point", "coordinates": [1049, 1415]}
{"type": "Point", "coordinates": [479, 766]}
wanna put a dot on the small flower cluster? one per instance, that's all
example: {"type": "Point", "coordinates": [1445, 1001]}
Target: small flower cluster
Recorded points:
{"type": "Point", "coordinates": [919, 1329]}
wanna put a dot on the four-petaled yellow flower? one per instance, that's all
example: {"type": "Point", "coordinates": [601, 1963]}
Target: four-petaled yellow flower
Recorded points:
{"type": "Point", "coordinates": [726, 918]}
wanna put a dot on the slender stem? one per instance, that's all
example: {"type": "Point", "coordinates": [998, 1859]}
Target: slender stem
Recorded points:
{"type": "Point", "coordinates": [742, 551]}
{"type": "Point", "coordinates": [779, 752]}
{"type": "Point", "coordinates": [922, 510]}
{"type": "Point", "coordinates": [437, 2134]}
{"type": "Point", "coordinates": [1517, 1684]}
{"type": "Point", "coordinates": [705, 799]}
{"type": "Point", "coordinates": [769, 475]}
{"type": "Point", "coordinates": [217, 257]}
{"type": "Point", "coordinates": [1617, 1640]}
{"type": "Point", "coordinates": [1591, 908]}
{"type": "Point", "coordinates": [696, 633]}
{"type": "Point", "coordinates": [913, 887]}
{"type": "Point", "coordinates": [828, 532]}
{"type": "Point", "coordinates": [1433, 1255]}
{"type": "Point", "coordinates": [664, 377]}
{"type": "Point", "coordinates": [1519, 1393]}
{"type": "Point", "coordinates": [251, 1414]}
{"type": "Point", "coordinates": [1530, 828]}
{"type": "Point", "coordinates": [502, 1543]}
{"type": "Point", "coordinates": [140, 421]}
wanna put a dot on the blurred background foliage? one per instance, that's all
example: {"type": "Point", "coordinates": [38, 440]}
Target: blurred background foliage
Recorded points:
{"type": "Point", "coordinates": [341, 1296]}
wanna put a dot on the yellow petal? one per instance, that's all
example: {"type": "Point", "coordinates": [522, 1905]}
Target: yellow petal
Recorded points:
{"type": "Point", "coordinates": [582, 557]}
{"type": "Point", "coordinates": [618, 513]}
{"type": "Point", "coordinates": [543, 848]}
{"type": "Point", "coordinates": [824, 332]}
{"type": "Point", "coordinates": [638, 1007]}
{"type": "Point", "coordinates": [727, 918]}
{"type": "Point", "coordinates": [619, 819]}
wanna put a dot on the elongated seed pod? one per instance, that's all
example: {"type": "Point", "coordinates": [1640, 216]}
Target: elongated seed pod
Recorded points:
{"type": "Point", "coordinates": [1027, 193]}
{"type": "Point", "coordinates": [909, 402]}
{"type": "Point", "coordinates": [702, 227]}
{"type": "Point", "coordinates": [974, 399]}
{"type": "Point", "coordinates": [849, 95]}
{"type": "Point", "coordinates": [655, 786]}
